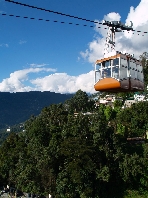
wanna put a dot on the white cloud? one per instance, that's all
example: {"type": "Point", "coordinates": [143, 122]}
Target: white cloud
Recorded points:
{"type": "Point", "coordinates": [113, 16]}
{"type": "Point", "coordinates": [57, 82]}
{"type": "Point", "coordinates": [38, 65]}
{"type": "Point", "coordinates": [17, 80]}
{"type": "Point", "coordinates": [95, 50]}
{"type": "Point", "coordinates": [22, 42]}
{"type": "Point", "coordinates": [127, 42]}
{"type": "Point", "coordinates": [139, 15]}
{"type": "Point", "coordinates": [4, 45]}
{"type": "Point", "coordinates": [63, 83]}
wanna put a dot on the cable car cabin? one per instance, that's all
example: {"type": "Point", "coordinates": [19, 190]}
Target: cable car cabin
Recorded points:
{"type": "Point", "coordinates": [119, 73]}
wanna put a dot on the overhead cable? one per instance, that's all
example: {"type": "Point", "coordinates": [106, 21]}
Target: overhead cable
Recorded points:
{"type": "Point", "coordinates": [67, 15]}
{"type": "Point", "coordinates": [47, 20]}
{"type": "Point", "coordinates": [70, 23]}
{"type": "Point", "coordinates": [51, 11]}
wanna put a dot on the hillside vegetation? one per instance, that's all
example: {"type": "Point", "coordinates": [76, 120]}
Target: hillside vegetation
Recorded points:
{"type": "Point", "coordinates": [78, 156]}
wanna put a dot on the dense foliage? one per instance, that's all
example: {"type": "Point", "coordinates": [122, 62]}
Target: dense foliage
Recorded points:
{"type": "Point", "coordinates": [77, 155]}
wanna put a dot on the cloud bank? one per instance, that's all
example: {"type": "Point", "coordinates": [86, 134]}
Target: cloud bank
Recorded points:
{"type": "Point", "coordinates": [56, 82]}
{"type": "Point", "coordinates": [63, 83]}
{"type": "Point", "coordinates": [17, 80]}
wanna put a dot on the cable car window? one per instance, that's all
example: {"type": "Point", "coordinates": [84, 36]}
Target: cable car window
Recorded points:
{"type": "Point", "coordinates": [123, 69]}
{"type": "Point", "coordinates": [97, 76]}
{"type": "Point", "coordinates": [140, 73]}
{"type": "Point", "coordinates": [133, 70]}
{"type": "Point", "coordinates": [115, 72]}
{"type": "Point", "coordinates": [107, 63]}
{"type": "Point", "coordinates": [106, 73]}
{"type": "Point", "coordinates": [98, 66]}
{"type": "Point", "coordinates": [115, 61]}
{"type": "Point", "coordinates": [103, 64]}
{"type": "Point", "coordinates": [124, 62]}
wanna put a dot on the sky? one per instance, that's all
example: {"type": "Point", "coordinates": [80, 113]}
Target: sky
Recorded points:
{"type": "Point", "coordinates": [40, 55]}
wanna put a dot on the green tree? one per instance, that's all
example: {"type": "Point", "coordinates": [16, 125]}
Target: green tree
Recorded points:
{"type": "Point", "coordinates": [134, 120]}
{"type": "Point", "coordinates": [43, 137]}
{"type": "Point", "coordinates": [9, 156]}
{"type": "Point", "coordinates": [80, 102]}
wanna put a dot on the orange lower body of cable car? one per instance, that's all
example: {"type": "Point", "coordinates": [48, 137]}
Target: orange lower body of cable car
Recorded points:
{"type": "Point", "coordinates": [113, 85]}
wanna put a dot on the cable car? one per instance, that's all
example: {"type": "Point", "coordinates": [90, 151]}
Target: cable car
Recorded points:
{"type": "Point", "coordinates": [118, 72]}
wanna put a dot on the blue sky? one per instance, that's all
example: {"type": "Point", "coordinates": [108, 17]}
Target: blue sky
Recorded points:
{"type": "Point", "coordinates": [49, 56]}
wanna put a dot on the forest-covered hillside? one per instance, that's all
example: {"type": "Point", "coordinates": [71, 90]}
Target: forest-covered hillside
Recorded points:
{"type": "Point", "coordinates": [18, 107]}
{"type": "Point", "coordinates": [72, 155]}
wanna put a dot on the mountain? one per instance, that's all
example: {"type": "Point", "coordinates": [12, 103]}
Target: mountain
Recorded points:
{"type": "Point", "coordinates": [20, 106]}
